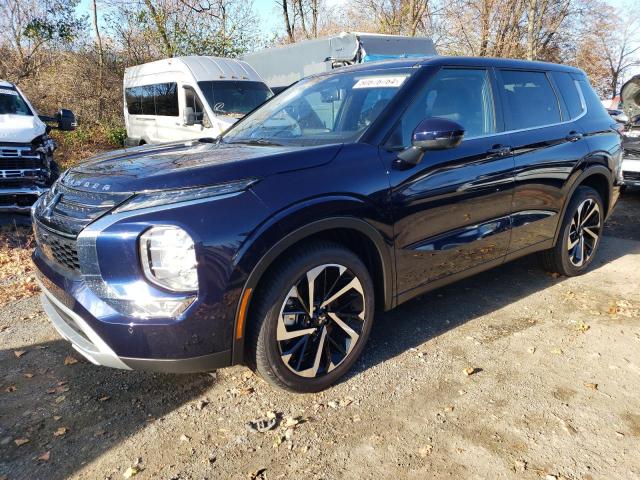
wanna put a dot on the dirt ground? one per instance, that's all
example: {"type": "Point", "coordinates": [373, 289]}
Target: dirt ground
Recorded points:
{"type": "Point", "coordinates": [555, 393]}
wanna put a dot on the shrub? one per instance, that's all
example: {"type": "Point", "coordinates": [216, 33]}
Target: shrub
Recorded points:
{"type": "Point", "coordinates": [116, 135]}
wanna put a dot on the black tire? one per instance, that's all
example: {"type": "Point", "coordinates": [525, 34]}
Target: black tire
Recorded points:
{"type": "Point", "coordinates": [265, 351]}
{"type": "Point", "coordinates": [559, 259]}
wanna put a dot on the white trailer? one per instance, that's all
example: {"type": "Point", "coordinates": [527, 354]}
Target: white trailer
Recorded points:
{"type": "Point", "coordinates": [283, 65]}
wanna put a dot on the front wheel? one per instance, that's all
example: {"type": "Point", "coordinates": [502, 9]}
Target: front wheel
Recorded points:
{"type": "Point", "coordinates": [312, 318]}
{"type": "Point", "coordinates": [580, 236]}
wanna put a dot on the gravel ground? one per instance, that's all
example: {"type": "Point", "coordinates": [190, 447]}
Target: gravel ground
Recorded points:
{"type": "Point", "coordinates": [554, 393]}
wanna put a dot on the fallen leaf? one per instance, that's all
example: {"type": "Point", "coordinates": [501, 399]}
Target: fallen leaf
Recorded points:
{"type": "Point", "coordinates": [345, 402]}
{"type": "Point", "coordinates": [469, 371]}
{"type": "Point", "coordinates": [60, 432]}
{"type": "Point", "coordinates": [19, 353]}
{"type": "Point", "coordinates": [583, 327]}
{"type": "Point", "coordinates": [60, 399]}
{"type": "Point", "coordinates": [130, 472]}
{"type": "Point", "coordinates": [104, 399]}
{"type": "Point", "coordinates": [426, 450]}
{"type": "Point", "coordinates": [10, 388]}
{"type": "Point", "coordinates": [448, 408]}
{"type": "Point", "coordinates": [57, 417]}
{"type": "Point", "coordinates": [245, 391]}
{"type": "Point", "coordinates": [3, 328]}
{"type": "Point", "coordinates": [291, 422]}
{"type": "Point", "coordinates": [70, 360]}
{"type": "Point", "coordinates": [592, 386]}
{"type": "Point", "coordinates": [21, 441]}
{"type": "Point", "coordinates": [28, 375]}
{"type": "Point", "coordinates": [45, 456]}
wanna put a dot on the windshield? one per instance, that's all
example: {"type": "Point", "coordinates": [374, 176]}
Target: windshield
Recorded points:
{"type": "Point", "coordinates": [12, 103]}
{"type": "Point", "coordinates": [234, 99]}
{"type": "Point", "coordinates": [334, 108]}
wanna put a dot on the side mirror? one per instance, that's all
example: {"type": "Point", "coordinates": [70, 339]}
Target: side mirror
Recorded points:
{"type": "Point", "coordinates": [189, 116]}
{"type": "Point", "coordinates": [66, 120]}
{"type": "Point", "coordinates": [432, 134]}
{"type": "Point", "coordinates": [330, 95]}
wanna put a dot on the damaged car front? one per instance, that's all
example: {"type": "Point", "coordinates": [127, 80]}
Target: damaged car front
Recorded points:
{"type": "Point", "coordinates": [630, 96]}
{"type": "Point", "coordinates": [27, 167]}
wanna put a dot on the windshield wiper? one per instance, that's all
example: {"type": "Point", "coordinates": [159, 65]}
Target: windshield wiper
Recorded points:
{"type": "Point", "coordinates": [258, 141]}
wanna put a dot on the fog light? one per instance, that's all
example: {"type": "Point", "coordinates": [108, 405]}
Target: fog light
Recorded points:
{"type": "Point", "coordinates": [169, 259]}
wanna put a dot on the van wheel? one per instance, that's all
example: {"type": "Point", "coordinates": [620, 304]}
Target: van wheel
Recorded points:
{"type": "Point", "coordinates": [580, 236]}
{"type": "Point", "coordinates": [312, 318]}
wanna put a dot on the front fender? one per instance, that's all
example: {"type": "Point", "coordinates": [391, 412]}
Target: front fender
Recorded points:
{"type": "Point", "coordinates": [301, 221]}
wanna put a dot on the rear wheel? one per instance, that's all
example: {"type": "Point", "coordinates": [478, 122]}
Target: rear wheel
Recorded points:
{"type": "Point", "coordinates": [580, 236]}
{"type": "Point", "coordinates": [312, 318]}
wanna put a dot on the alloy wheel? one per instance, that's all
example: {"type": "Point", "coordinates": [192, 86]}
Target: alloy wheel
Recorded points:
{"type": "Point", "coordinates": [584, 232]}
{"type": "Point", "coordinates": [321, 320]}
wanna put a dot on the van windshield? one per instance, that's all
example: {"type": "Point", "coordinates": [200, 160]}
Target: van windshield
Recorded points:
{"type": "Point", "coordinates": [11, 103]}
{"type": "Point", "coordinates": [234, 98]}
{"type": "Point", "coordinates": [333, 108]}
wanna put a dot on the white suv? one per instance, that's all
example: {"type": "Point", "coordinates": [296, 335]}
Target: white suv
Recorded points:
{"type": "Point", "coordinates": [27, 168]}
{"type": "Point", "coordinates": [630, 96]}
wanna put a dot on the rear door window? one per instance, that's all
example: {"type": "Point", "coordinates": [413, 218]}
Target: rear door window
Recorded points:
{"type": "Point", "coordinates": [529, 99]}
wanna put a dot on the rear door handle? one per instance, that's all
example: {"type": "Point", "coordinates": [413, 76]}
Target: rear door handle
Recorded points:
{"type": "Point", "coordinates": [573, 136]}
{"type": "Point", "coordinates": [499, 150]}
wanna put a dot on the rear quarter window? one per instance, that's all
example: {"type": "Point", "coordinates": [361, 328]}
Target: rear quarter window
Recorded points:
{"type": "Point", "coordinates": [529, 99]}
{"type": "Point", "coordinates": [573, 101]}
{"type": "Point", "coordinates": [595, 109]}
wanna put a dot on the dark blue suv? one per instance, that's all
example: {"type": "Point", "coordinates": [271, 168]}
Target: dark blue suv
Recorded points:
{"type": "Point", "coordinates": [349, 192]}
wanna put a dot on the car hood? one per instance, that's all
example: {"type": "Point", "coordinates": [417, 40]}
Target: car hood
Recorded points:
{"type": "Point", "coordinates": [190, 164]}
{"type": "Point", "coordinates": [630, 96]}
{"type": "Point", "coordinates": [20, 128]}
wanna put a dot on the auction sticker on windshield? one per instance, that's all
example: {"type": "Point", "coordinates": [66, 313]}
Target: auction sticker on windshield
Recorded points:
{"type": "Point", "coordinates": [381, 82]}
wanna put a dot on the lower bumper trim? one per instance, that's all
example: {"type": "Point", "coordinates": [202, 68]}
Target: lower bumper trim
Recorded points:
{"type": "Point", "coordinates": [86, 341]}
{"type": "Point", "coordinates": [204, 363]}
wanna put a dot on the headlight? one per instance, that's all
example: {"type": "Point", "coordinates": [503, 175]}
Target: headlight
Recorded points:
{"type": "Point", "coordinates": [163, 197]}
{"type": "Point", "coordinates": [169, 258]}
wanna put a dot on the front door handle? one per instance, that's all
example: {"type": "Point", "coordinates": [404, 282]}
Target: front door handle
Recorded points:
{"type": "Point", "coordinates": [573, 136]}
{"type": "Point", "coordinates": [499, 150]}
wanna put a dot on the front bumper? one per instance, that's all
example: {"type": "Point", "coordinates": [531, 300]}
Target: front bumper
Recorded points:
{"type": "Point", "coordinates": [19, 199]}
{"type": "Point", "coordinates": [88, 343]}
{"type": "Point", "coordinates": [631, 170]}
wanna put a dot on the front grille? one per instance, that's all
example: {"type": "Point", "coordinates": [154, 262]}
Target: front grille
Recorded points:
{"type": "Point", "coordinates": [75, 209]}
{"type": "Point", "coordinates": [58, 248]}
{"type": "Point", "coordinates": [634, 176]}
{"type": "Point", "coordinates": [19, 199]}
{"type": "Point", "coordinates": [20, 163]}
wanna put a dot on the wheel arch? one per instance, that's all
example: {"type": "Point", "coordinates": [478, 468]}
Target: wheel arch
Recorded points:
{"type": "Point", "coordinates": [597, 177]}
{"type": "Point", "coordinates": [357, 235]}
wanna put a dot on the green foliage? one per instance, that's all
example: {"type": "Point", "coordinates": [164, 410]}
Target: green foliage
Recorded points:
{"type": "Point", "coordinates": [116, 135]}
{"type": "Point", "coordinates": [55, 20]}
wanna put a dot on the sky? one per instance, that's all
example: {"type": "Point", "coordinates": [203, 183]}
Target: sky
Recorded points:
{"type": "Point", "coordinates": [270, 17]}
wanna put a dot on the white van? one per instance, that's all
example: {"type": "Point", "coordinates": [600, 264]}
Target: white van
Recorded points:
{"type": "Point", "coordinates": [188, 97]}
